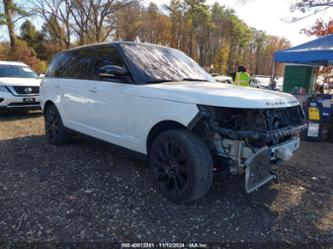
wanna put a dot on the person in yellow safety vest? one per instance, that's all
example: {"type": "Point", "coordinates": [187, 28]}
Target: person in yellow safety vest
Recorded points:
{"type": "Point", "coordinates": [242, 78]}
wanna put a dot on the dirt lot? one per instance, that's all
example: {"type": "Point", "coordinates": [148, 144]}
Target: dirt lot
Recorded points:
{"type": "Point", "coordinates": [87, 191]}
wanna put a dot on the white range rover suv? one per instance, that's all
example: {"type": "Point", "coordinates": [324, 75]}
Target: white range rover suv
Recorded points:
{"type": "Point", "coordinates": [19, 86]}
{"type": "Point", "coordinates": [157, 101]}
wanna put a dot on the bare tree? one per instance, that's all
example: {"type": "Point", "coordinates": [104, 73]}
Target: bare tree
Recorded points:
{"type": "Point", "coordinates": [89, 20]}
{"type": "Point", "coordinates": [309, 8]}
{"type": "Point", "coordinates": [93, 18]}
{"type": "Point", "coordinates": [56, 14]}
{"type": "Point", "coordinates": [306, 5]}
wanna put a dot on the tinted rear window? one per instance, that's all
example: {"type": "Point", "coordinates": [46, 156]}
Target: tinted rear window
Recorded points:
{"type": "Point", "coordinates": [75, 65]}
{"type": "Point", "coordinates": [85, 63]}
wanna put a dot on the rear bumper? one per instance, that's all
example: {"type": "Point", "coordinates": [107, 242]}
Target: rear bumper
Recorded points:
{"type": "Point", "coordinates": [9, 102]}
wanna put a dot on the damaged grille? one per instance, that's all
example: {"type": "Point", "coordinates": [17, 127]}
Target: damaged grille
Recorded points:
{"type": "Point", "coordinates": [260, 127]}
{"type": "Point", "coordinates": [259, 120]}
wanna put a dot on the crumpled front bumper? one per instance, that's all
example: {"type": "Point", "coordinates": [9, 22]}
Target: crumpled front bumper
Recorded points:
{"type": "Point", "coordinates": [258, 170]}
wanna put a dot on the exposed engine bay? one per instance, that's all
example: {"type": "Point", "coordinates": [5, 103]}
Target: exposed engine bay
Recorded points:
{"type": "Point", "coordinates": [250, 141]}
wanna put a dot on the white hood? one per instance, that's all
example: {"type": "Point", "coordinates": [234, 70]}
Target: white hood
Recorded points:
{"type": "Point", "coordinates": [19, 82]}
{"type": "Point", "coordinates": [217, 94]}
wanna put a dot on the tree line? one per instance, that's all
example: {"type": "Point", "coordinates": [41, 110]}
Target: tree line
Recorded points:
{"type": "Point", "coordinates": [213, 35]}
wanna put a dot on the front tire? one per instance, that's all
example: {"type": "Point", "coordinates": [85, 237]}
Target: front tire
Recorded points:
{"type": "Point", "coordinates": [54, 127]}
{"type": "Point", "coordinates": [182, 166]}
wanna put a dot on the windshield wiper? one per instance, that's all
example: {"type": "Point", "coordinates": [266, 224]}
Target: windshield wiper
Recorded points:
{"type": "Point", "coordinates": [166, 80]}
{"type": "Point", "coordinates": [190, 79]}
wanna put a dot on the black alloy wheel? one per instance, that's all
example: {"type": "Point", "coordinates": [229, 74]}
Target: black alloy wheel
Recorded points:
{"type": "Point", "coordinates": [182, 166]}
{"type": "Point", "coordinates": [54, 128]}
{"type": "Point", "coordinates": [171, 167]}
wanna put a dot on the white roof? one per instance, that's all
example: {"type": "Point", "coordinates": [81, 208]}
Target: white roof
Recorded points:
{"type": "Point", "coordinates": [13, 63]}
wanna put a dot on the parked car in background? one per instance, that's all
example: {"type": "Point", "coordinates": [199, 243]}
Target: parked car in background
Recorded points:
{"type": "Point", "coordinates": [159, 102]}
{"type": "Point", "coordinates": [223, 79]}
{"type": "Point", "coordinates": [260, 81]}
{"type": "Point", "coordinates": [19, 86]}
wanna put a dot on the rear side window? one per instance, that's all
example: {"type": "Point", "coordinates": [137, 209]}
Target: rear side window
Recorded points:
{"type": "Point", "coordinates": [57, 65]}
{"type": "Point", "coordinates": [73, 65]}
{"type": "Point", "coordinates": [79, 66]}
{"type": "Point", "coordinates": [86, 64]}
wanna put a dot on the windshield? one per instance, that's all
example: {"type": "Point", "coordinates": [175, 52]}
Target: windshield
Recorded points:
{"type": "Point", "coordinates": [160, 64]}
{"type": "Point", "coordinates": [16, 71]}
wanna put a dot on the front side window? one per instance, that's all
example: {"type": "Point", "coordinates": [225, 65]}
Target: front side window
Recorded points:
{"type": "Point", "coordinates": [106, 57]}
{"type": "Point", "coordinates": [159, 64]}
{"type": "Point", "coordinates": [17, 71]}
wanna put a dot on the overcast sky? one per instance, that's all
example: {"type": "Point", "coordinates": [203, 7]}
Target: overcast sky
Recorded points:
{"type": "Point", "coordinates": [268, 15]}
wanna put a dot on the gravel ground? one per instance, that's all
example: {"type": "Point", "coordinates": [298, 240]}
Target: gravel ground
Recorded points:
{"type": "Point", "coordinates": [90, 192]}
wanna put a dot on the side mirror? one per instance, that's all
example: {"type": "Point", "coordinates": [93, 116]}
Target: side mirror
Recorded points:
{"type": "Point", "coordinates": [41, 76]}
{"type": "Point", "coordinates": [112, 71]}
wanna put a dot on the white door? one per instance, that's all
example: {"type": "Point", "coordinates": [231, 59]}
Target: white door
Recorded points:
{"type": "Point", "coordinates": [111, 115]}
{"type": "Point", "coordinates": [111, 101]}
{"type": "Point", "coordinates": [72, 85]}
{"type": "Point", "coordinates": [75, 101]}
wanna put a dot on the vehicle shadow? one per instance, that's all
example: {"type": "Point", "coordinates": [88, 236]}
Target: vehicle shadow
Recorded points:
{"type": "Point", "coordinates": [86, 191]}
{"type": "Point", "coordinates": [19, 115]}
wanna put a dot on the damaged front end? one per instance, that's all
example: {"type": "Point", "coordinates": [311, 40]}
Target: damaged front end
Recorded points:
{"type": "Point", "coordinates": [250, 141]}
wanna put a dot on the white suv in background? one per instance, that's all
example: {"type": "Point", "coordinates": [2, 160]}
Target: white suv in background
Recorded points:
{"type": "Point", "coordinates": [159, 102]}
{"type": "Point", "coordinates": [223, 79]}
{"type": "Point", "coordinates": [260, 81]}
{"type": "Point", "coordinates": [19, 86]}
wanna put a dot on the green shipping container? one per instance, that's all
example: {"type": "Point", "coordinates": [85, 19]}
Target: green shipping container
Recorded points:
{"type": "Point", "coordinates": [296, 77]}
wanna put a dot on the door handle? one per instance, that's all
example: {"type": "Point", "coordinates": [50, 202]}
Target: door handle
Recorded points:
{"type": "Point", "coordinates": [93, 90]}
{"type": "Point", "coordinates": [57, 86]}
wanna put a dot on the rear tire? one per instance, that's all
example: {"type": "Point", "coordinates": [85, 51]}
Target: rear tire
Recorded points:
{"type": "Point", "coordinates": [182, 166]}
{"type": "Point", "coordinates": [54, 127]}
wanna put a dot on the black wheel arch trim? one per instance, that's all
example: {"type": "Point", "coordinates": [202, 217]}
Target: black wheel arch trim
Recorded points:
{"type": "Point", "coordinates": [159, 128]}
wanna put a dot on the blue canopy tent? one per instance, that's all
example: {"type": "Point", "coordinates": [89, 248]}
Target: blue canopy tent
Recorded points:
{"type": "Point", "coordinates": [317, 52]}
